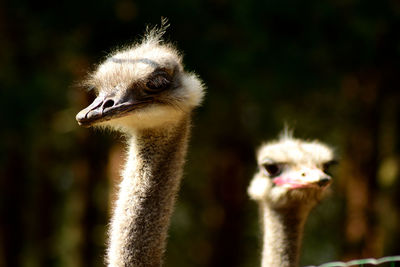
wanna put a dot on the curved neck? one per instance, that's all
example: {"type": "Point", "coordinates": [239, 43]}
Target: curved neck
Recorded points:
{"type": "Point", "coordinates": [147, 195]}
{"type": "Point", "coordinates": [282, 230]}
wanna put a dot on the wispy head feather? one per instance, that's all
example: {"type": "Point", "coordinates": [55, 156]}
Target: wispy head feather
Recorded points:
{"type": "Point", "coordinates": [287, 133]}
{"type": "Point", "coordinates": [154, 34]}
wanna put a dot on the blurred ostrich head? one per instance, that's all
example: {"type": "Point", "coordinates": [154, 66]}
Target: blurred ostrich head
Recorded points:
{"type": "Point", "coordinates": [291, 172]}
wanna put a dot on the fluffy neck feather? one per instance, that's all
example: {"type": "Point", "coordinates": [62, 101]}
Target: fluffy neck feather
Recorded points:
{"type": "Point", "coordinates": [282, 235]}
{"type": "Point", "coordinates": [146, 195]}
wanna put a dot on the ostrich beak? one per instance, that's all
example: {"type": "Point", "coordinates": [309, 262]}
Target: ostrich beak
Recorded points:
{"type": "Point", "coordinates": [316, 177]}
{"type": "Point", "coordinates": [304, 178]}
{"type": "Point", "coordinates": [108, 106]}
{"type": "Point", "coordinates": [324, 181]}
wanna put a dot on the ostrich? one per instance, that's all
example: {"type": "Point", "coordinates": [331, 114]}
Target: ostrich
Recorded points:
{"type": "Point", "coordinates": [290, 182]}
{"type": "Point", "coordinates": [144, 93]}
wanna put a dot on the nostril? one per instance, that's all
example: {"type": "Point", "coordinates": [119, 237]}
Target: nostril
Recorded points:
{"type": "Point", "coordinates": [324, 181]}
{"type": "Point", "coordinates": [109, 103]}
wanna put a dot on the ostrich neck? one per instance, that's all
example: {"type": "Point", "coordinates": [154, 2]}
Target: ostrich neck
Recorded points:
{"type": "Point", "coordinates": [283, 230]}
{"type": "Point", "coordinates": [146, 195]}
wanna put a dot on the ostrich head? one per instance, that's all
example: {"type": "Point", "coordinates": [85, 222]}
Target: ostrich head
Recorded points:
{"type": "Point", "coordinates": [291, 173]}
{"type": "Point", "coordinates": [142, 86]}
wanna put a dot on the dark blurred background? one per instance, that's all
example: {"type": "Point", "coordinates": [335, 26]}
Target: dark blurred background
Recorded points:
{"type": "Point", "coordinates": [329, 69]}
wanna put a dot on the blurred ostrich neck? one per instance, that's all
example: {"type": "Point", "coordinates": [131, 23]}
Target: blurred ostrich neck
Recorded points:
{"type": "Point", "coordinates": [147, 194]}
{"type": "Point", "coordinates": [283, 230]}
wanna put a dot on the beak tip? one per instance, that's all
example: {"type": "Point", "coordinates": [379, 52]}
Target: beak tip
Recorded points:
{"type": "Point", "coordinates": [324, 181]}
{"type": "Point", "coordinates": [81, 118]}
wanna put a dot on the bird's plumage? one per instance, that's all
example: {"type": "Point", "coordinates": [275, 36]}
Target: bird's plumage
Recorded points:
{"type": "Point", "coordinates": [144, 83]}
{"type": "Point", "coordinates": [144, 92]}
{"type": "Point", "coordinates": [290, 181]}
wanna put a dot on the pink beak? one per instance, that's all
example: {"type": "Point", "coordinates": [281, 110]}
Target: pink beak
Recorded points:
{"type": "Point", "coordinates": [304, 178]}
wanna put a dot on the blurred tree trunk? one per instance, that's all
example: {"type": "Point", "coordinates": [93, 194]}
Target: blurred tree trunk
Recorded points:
{"type": "Point", "coordinates": [45, 201]}
{"type": "Point", "coordinates": [91, 175]}
{"type": "Point", "coordinates": [364, 96]}
{"type": "Point", "coordinates": [228, 186]}
{"type": "Point", "coordinates": [390, 144]}
{"type": "Point", "coordinates": [389, 174]}
{"type": "Point", "coordinates": [395, 236]}
{"type": "Point", "coordinates": [12, 197]}
{"type": "Point", "coordinates": [229, 183]}
{"type": "Point", "coordinates": [360, 164]}
{"type": "Point", "coordinates": [97, 190]}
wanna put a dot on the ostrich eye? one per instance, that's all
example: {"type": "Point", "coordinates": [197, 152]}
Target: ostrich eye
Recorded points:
{"type": "Point", "coordinates": [158, 81]}
{"type": "Point", "coordinates": [272, 169]}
